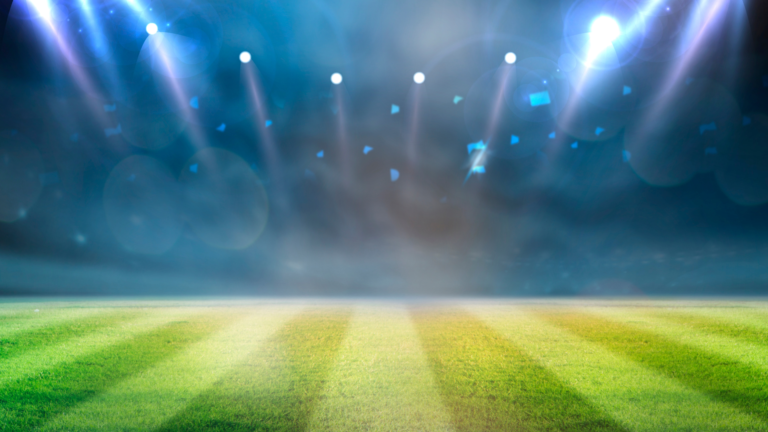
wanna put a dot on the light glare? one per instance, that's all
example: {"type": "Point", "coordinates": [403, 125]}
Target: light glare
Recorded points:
{"type": "Point", "coordinates": [151, 28]}
{"type": "Point", "coordinates": [510, 58]}
{"type": "Point", "coordinates": [336, 78]}
{"type": "Point", "coordinates": [245, 56]}
{"type": "Point", "coordinates": [604, 31]}
{"type": "Point", "coordinates": [418, 77]}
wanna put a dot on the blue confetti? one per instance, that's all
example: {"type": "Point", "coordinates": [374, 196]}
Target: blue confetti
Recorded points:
{"type": "Point", "coordinates": [710, 151]}
{"type": "Point", "coordinates": [132, 177]}
{"type": "Point", "coordinates": [268, 123]}
{"type": "Point", "coordinates": [540, 98]}
{"type": "Point", "coordinates": [575, 145]}
{"type": "Point", "coordinates": [221, 127]}
{"type": "Point", "coordinates": [480, 145]}
{"type": "Point", "coordinates": [110, 108]}
{"type": "Point", "coordinates": [320, 154]}
{"type": "Point", "coordinates": [394, 174]}
{"type": "Point", "coordinates": [113, 131]}
{"type": "Point", "coordinates": [193, 168]}
{"type": "Point", "coordinates": [514, 140]}
{"type": "Point", "coordinates": [552, 135]}
{"type": "Point", "coordinates": [367, 149]}
{"type": "Point", "coordinates": [626, 155]}
{"type": "Point", "coordinates": [707, 127]}
{"type": "Point", "coordinates": [480, 169]}
{"type": "Point", "coordinates": [627, 90]}
{"type": "Point", "coordinates": [599, 130]}
{"type": "Point", "coordinates": [746, 121]}
{"type": "Point", "coordinates": [457, 99]}
{"type": "Point", "coordinates": [395, 109]}
{"type": "Point", "coordinates": [193, 103]}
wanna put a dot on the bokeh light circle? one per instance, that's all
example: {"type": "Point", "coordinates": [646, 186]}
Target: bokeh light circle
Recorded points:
{"type": "Point", "coordinates": [226, 204]}
{"type": "Point", "coordinates": [510, 58]}
{"type": "Point", "coordinates": [151, 28]}
{"type": "Point", "coordinates": [20, 169]}
{"type": "Point", "coordinates": [142, 203]}
{"type": "Point", "coordinates": [418, 77]}
{"type": "Point", "coordinates": [336, 78]}
{"type": "Point", "coordinates": [245, 57]}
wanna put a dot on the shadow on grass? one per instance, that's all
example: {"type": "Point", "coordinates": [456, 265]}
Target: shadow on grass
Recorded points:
{"type": "Point", "coordinates": [29, 402]}
{"type": "Point", "coordinates": [488, 384]}
{"type": "Point", "coordinates": [59, 332]}
{"type": "Point", "coordinates": [278, 386]}
{"type": "Point", "coordinates": [740, 385]}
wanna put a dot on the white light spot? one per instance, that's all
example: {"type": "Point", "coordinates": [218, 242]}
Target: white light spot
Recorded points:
{"type": "Point", "coordinates": [510, 58]}
{"type": "Point", "coordinates": [418, 77]}
{"type": "Point", "coordinates": [603, 32]}
{"type": "Point", "coordinates": [151, 28]}
{"type": "Point", "coordinates": [336, 78]}
{"type": "Point", "coordinates": [245, 57]}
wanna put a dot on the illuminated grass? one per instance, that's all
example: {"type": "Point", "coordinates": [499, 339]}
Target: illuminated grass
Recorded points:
{"type": "Point", "coordinates": [378, 366]}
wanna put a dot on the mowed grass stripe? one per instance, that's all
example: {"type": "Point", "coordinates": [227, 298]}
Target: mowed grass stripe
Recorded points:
{"type": "Point", "coordinates": [30, 320]}
{"type": "Point", "coordinates": [147, 399]}
{"type": "Point", "coordinates": [381, 380]}
{"type": "Point", "coordinates": [640, 398]}
{"type": "Point", "coordinates": [714, 325]}
{"type": "Point", "coordinates": [35, 361]}
{"type": "Point", "coordinates": [741, 385]}
{"type": "Point", "coordinates": [29, 403]}
{"type": "Point", "coordinates": [489, 384]}
{"type": "Point", "coordinates": [277, 387]}
{"type": "Point", "coordinates": [12, 346]}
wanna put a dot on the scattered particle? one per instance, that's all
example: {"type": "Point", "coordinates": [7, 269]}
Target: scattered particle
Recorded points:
{"type": "Point", "coordinates": [222, 127]}
{"type": "Point", "coordinates": [457, 99]}
{"type": "Point", "coordinates": [193, 168]}
{"type": "Point", "coordinates": [395, 109]}
{"type": "Point", "coordinates": [626, 155]}
{"type": "Point", "coordinates": [132, 177]}
{"type": "Point", "coordinates": [575, 145]}
{"type": "Point", "coordinates": [514, 140]}
{"type": "Point", "coordinates": [80, 239]}
{"type": "Point", "coordinates": [194, 103]}
{"type": "Point", "coordinates": [394, 174]}
{"type": "Point", "coordinates": [320, 154]}
{"type": "Point", "coordinates": [710, 151]}
{"type": "Point", "coordinates": [552, 135]}
{"type": "Point", "coordinates": [707, 127]}
{"type": "Point", "coordinates": [110, 108]}
{"type": "Point", "coordinates": [746, 121]}
{"type": "Point", "coordinates": [268, 123]}
{"type": "Point", "coordinates": [540, 98]}
{"type": "Point", "coordinates": [49, 178]}
{"type": "Point", "coordinates": [627, 90]}
{"type": "Point", "coordinates": [599, 130]}
{"type": "Point", "coordinates": [22, 213]}
{"type": "Point", "coordinates": [367, 149]}
{"type": "Point", "coordinates": [480, 145]}
{"type": "Point", "coordinates": [113, 131]}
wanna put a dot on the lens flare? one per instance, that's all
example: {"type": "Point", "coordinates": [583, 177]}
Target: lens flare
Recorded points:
{"type": "Point", "coordinates": [245, 57]}
{"type": "Point", "coordinates": [418, 77]}
{"type": "Point", "coordinates": [336, 78]}
{"type": "Point", "coordinates": [151, 28]}
{"type": "Point", "coordinates": [603, 32]}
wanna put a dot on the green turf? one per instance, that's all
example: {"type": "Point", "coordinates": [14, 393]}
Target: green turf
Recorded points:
{"type": "Point", "coordinates": [304, 365]}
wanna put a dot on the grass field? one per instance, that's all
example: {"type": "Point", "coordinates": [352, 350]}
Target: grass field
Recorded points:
{"type": "Point", "coordinates": [271, 365]}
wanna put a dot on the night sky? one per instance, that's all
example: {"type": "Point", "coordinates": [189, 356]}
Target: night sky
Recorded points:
{"type": "Point", "coordinates": [160, 164]}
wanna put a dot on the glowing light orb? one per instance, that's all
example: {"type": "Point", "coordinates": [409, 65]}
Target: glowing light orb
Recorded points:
{"type": "Point", "coordinates": [604, 31]}
{"type": "Point", "coordinates": [151, 28]}
{"type": "Point", "coordinates": [418, 77]}
{"type": "Point", "coordinates": [336, 78]}
{"type": "Point", "coordinates": [245, 57]}
{"type": "Point", "coordinates": [510, 58]}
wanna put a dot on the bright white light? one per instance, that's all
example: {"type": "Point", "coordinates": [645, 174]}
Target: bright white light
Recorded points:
{"type": "Point", "coordinates": [510, 58]}
{"type": "Point", "coordinates": [245, 56]}
{"type": "Point", "coordinates": [151, 28]}
{"type": "Point", "coordinates": [603, 32]}
{"type": "Point", "coordinates": [336, 78]}
{"type": "Point", "coordinates": [418, 77]}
